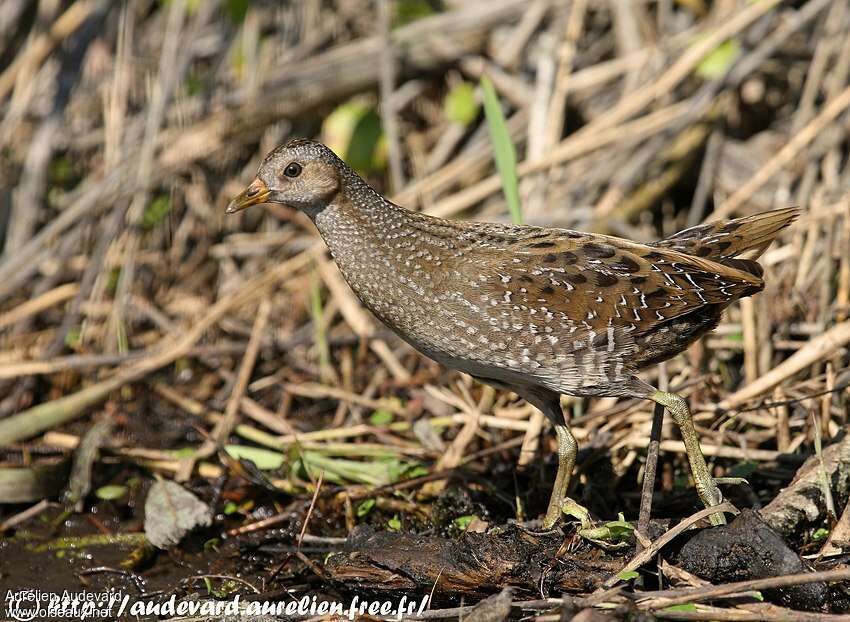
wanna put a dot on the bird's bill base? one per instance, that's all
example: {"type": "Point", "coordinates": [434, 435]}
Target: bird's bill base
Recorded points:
{"type": "Point", "coordinates": [257, 192]}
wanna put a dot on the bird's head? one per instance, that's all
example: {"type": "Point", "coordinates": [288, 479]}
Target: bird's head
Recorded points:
{"type": "Point", "coordinates": [302, 174]}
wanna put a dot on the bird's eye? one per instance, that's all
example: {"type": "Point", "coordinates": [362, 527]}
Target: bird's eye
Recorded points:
{"type": "Point", "coordinates": [293, 169]}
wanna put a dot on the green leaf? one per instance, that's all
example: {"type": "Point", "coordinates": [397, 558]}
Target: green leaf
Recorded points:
{"type": "Point", "coordinates": [72, 338]}
{"type": "Point", "coordinates": [571, 508]}
{"type": "Point", "coordinates": [460, 105]}
{"type": "Point", "coordinates": [503, 149]}
{"type": "Point", "coordinates": [230, 508]}
{"type": "Point", "coordinates": [156, 212]}
{"type": "Point", "coordinates": [236, 10]}
{"type": "Point", "coordinates": [820, 534]}
{"type": "Point", "coordinates": [416, 470]}
{"type": "Point", "coordinates": [61, 171]}
{"type": "Point", "coordinates": [394, 524]}
{"type": "Point", "coordinates": [191, 5]}
{"type": "Point", "coordinates": [264, 459]}
{"type": "Point", "coordinates": [717, 62]}
{"type": "Point", "coordinates": [615, 533]}
{"type": "Point", "coordinates": [743, 469]}
{"type": "Point", "coordinates": [183, 452]}
{"type": "Point", "coordinates": [381, 417]}
{"type": "Point", "coordinates": [619, 529]}
{"type": "Point", "coordinates": [193, 84]}
{"type": "Point", "coordinates": [353, 130]}
{"type": "Point", "coordinates": [407, 11]}
{"type": "Point", "coordinates": [462, 522]}
{"type": "Point", "coordinates": [112, 281]}
{"type": "Point", "coordinates": [628, 575]}
{"type": "Point", "coordinates": [111, 492]}
{"type": "Point", "coordinates": [683, 607]}
{"type": "Point", "coordinates": [364, 507]}
{"type": "Point", "coordinates": [340, 470]}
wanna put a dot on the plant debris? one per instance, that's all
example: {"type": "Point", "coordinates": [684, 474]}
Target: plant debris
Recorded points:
{"type": "Point", "coordinates": [325, 457]}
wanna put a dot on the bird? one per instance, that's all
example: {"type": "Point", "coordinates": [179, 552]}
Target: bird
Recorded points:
{"type": "Point", "coordinates": [539, 311]}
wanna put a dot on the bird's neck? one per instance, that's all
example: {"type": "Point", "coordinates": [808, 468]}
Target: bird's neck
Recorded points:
{"type": "Point", "coordinates": [358, 218]}
{"type": "Point", "coordinates": [382, 248]}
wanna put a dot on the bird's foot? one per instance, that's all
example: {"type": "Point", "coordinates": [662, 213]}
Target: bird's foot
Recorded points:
{"type": "Point", "coordinates": [571, 508]}
{"type": "Point", "coordinates": [732, 481]}
{"type": "Point", "coordinates": [711, 496]}
{"type": "Point", "coordinates": [535, 528]}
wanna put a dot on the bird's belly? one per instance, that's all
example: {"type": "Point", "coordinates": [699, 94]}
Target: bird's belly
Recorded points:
{"type": "Point", "coordinates": [496, 342]}
{"type": "Point", "coordinates": [511, 351]}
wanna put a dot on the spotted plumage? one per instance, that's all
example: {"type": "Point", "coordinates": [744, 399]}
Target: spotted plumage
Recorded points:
{"type": "Point", "coordinates": [540, 311]}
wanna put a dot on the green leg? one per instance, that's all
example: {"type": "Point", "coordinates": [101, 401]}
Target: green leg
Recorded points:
{"type": "Point", "coordinates": [706, 487]}
{"type": "Point", "coordinates": [567, 451]}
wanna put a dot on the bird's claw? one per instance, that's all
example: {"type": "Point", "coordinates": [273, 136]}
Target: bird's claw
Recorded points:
{"type": "Point", "coordinates": [733, 481]}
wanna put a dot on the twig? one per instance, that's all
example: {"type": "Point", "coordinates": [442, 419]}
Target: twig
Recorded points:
{"type": "Point", "coordinates": [73, 17]}
{"type": "Point", "coordinates": [705, 184]}
{"type": "Point", "coordinates": [36, 305]}
{"type": "Point", "coordinates": [173, 61]}
{"type": "Point", "coordinates": [798, 142]}
{"type": "Point", "coordinates": [648, 553]}
{"type": "Point", "coordinates": [761, 612]}
{"type": "Point", "coordinates": [303, 531]}
{"type": "Point", "coordinates": [231, 411]}
{"type": "Point", "coordinates": [661, 600]}
{"type": "Point", "coordinates": [44, 416]}
{"type": "Point", "coordinates": [25, 515]}
{"type": "Point", "coordinates": [817, 349]}
{"type": "Point", "coordinates": [570, 148]}
{"type": "Point", "coordinates": [387, 83]}
{"type": "Point", "coordinates": [649, 471]}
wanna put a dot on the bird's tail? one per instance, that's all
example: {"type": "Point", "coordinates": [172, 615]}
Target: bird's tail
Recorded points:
{"type": "Point", "coordinates": [737, 243]}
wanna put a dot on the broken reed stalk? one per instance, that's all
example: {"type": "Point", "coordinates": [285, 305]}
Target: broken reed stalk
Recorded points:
{"type": "Point", "coordinates": [648, 486]}
{"type": "Point", "coordinates": [817, 349]}
{"type": "Point", "coordinates": [784, 156]}
{"type": "Point", "coordinates": [617, 116]}
{"type": "Point", "coordinates": [648, 553]}
{"type": "Point", "coordinates": [39, 418]}
{"type": "Point", "coordinates": [671, 598]}
{"type": "Point", "coordinates": [227, 423]}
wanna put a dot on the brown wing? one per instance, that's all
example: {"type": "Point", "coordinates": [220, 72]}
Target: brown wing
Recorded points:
{"type": "Point", "coordinates": [749, 235]}
{"type": "Point", "coordinates": [605, 286]}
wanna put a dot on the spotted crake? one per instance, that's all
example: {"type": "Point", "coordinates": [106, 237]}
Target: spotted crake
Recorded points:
{"type": "Point", "coordinates": [539, 311]}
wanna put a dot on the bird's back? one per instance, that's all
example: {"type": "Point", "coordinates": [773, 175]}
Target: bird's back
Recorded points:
{"type": "Point", "coordinates": [570, 311]}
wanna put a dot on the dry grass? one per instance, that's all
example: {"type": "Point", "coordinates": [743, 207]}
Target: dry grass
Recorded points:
{"type": "Point", "coordinates": [124, 289]}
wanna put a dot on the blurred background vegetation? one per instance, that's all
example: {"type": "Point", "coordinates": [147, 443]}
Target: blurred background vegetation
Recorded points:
{"type": "Point", "coordinates": [126, 294]}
